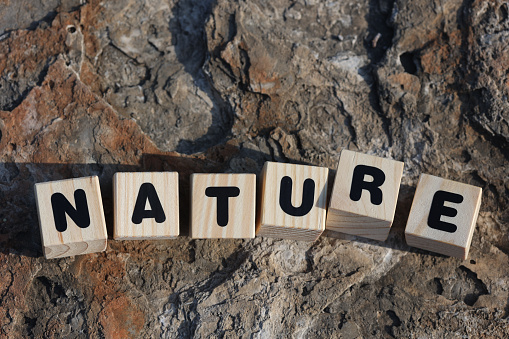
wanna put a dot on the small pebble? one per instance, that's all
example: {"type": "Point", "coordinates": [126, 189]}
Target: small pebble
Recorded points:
{"type": "Point", "coordinates": [375, 40]}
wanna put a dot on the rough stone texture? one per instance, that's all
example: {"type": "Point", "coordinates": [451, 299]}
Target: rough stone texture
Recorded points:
{"type": "Point", "coordinates": [217, 86]}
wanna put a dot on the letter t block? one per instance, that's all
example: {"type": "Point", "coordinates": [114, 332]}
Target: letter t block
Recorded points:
{"type": "Point", "coordinates": [223, 206]}
{"type": "Point", "coordinates": [293, 201]}
{"type": "Point", "coordinates": [443, 216]}
{"type": "Point", "coordinates": [71, 217]}
{"type": "Point", "coordinates": [364, 196]}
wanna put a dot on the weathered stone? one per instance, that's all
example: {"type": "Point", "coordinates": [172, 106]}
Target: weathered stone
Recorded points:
{"type": "Point", "coordinates": [99, 87]}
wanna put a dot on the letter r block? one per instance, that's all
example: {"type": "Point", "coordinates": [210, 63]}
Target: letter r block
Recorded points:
{"type": "Point", "coordinates": [146, 205]}
{"type": "Point", "coordinates": [364, 196]}
{"type": "Point", "coordinates": [223, 206]}
{"type": "Point", "coordinates": [293, 201]}
{"type": "Point", "coordinates": [71, 217]}
{"type": "Point", "coordinates": [443, 216]}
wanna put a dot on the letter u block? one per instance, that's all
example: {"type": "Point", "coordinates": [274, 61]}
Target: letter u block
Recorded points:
{"type": "Point", "coordinates": [223, 206]}
{"type": "Point", "coordinates": [443, 216]}
{"type": "Point", "coordinates": [71, 217]}
{"type": "Point", "coordinates": [146, 205]}
{"type": "Point", "coordinates": [293, 201]}
{"type": "Point", "coordinates": [364, 196]}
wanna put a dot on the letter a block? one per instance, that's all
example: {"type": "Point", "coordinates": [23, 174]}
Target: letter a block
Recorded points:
{"type": "Point", "coordinates": [293, 201]}
{"type": "Point", "coordinates": [223, 206]}
{"type": "Point", "coordinates": [364, 196]}
{"type": "Point", "coordinates": [71, 217]}
{"type": "Point", "coordinates": [443, 216]}
{"type": "Point", "coordinates": [146, 205]}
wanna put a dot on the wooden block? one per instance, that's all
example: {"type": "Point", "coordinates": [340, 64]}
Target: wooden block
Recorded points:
{"type": "Point", "coordinates": [443, 216]}
{"type": "Point", "coordinates": [293, 201]}
{"type": "Point", "coordinates": [146, 205]}
{"type": "Point", "coordinates": [223, 206]}
{"type": "Point", "coordinates": [71, 217]}
{"type": "Point", "coordinates": [364, 195]}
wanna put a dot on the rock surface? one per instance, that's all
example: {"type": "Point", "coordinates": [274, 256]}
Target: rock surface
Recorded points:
{"type": "Point", "coordinates": [92, 88]}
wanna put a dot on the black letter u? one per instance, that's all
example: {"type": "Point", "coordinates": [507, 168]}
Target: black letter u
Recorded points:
{"type": "Point", "coordinates": [285, 197]}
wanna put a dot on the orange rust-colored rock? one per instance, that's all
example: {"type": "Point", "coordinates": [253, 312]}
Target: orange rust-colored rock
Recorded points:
{"type": "Point", "coordinates": [121, 318]}
{"type": "Point", "coordinates": [61, 106]}
{"type": "Point", "coordinates": [21, 51]}
{"type": "Point", "coordinates": [407, 82]}
{"type": "Point", "coordinates": [443, 54]}
{"type": "Point", "coordinates": [17, 274]}
{"type": "Point", "coordinates": [91, 21]}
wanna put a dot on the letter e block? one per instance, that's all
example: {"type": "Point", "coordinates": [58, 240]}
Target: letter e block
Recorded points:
{"type": "Point", "coordinates": [443, 216]}
{"type": "Point", "coordinates": [364, 196]}
{"type": "Point", "coordinates": [146, 205]}
{"type": "Point", "coordinates": [223, 206]}
{"type": "Point", "coordinates": [71, 217]}
{"type": "Point", "coordinates": [293, 201]}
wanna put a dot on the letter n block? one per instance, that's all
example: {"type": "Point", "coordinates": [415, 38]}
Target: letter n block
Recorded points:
{"type": "Point", "coordinates": [71, 217]}
{"type": "Point", "coordinates": [223, 206]}
{"type": "Point", "coordinates": [443, 216]}
{"type": "Point", "coordinates": [146, 205]}
{"type": "Point", "coordinates": [293, 201]}
{"type": "Point", "coordinates": [364, 196]}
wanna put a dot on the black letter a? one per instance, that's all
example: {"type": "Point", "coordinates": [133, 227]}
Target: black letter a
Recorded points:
{"type": "Point", "coordinates": [148, 191]}
{"type": "Point", "coordinates": [61, 206]}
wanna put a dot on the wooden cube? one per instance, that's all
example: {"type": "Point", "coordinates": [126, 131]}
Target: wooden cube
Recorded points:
{"type": "Point", "coordinates": [443, 216]}
{"type": "Point", "coordinates": [293, 201]}
{"type": "Point", "coordinates": [71, 217]}
{"type": "Point", "coordinates": [146, 205]}
{"type": "Point", "coordinates": [223, 206]}
{"type": "Point", "coordinates": [364, 195]}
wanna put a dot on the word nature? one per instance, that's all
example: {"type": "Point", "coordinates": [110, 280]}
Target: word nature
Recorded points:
{"type": "Point", "coordinates": [290, 202]}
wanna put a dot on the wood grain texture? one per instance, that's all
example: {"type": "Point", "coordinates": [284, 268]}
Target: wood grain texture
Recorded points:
{"type": "Point", "coordinates": [364, 227]}
{"type": "Point", "coordinates": [241, 208]}
{"type": "Point", "coordinates": [378, 235]}
{"type": "Point", "coordinates": [362, 217]}
{"type": "Point", "coordinates": [126, 187]}
{"type": "Point", "coordinates": [420, 235]}
{"type": "Point", "coordinates": [272, 221]}
{"type": "Point", "coordinates": [74, 240]}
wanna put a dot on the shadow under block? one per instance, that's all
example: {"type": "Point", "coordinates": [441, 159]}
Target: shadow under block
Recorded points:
{"type": "Point", "coordinates": [223, 206]}
{"type": "Point", "coordinates": [364, 195]}
{"type": "Point", "coordinates": [71, 217]}
{"type": "Point", "coordinates": [443, 216]}
{"type": "Point", "coordinates": [146, 205]}
{"type": "Point", "coordinates": [293, 201]}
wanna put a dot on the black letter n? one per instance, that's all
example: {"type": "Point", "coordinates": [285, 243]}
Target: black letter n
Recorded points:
{"type": "Point", "coordinates": [61, 206]}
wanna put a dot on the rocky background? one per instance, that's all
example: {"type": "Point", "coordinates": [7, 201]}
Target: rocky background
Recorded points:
{"type": "Point", "coordinates": [91, 88]}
